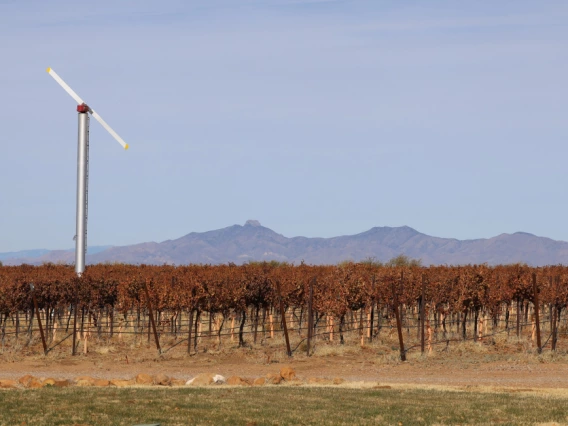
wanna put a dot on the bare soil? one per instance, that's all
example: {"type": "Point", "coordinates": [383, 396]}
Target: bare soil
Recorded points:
{"type": "Point", "coordinates": [501, 365]}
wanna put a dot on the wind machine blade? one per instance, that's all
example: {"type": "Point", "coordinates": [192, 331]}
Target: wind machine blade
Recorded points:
{"type": "Point", "coordinates": [80, 101]}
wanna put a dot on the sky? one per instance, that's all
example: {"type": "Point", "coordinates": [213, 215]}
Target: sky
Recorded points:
{"type": "Point", "coordinates": [316, 117]}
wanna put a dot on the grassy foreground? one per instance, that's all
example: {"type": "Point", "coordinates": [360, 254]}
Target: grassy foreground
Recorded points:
{"type": "Point", "coordinates": [271, 405]}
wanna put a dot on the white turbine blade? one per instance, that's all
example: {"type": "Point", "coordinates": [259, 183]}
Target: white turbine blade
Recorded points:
{"type": "Point", "coordinates": [80, 102]}
{"type": "Point", "coordinates": [108, 129]}
{"type": "Point", "coordinates": [65, 86]}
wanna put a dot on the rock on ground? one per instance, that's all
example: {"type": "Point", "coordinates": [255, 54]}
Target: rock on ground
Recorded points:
{"type": "Point", "coordinates": [162, 380]}
{"type": "Point", "coordinates": [205, 379]}
{"type": "Point", "coordinates": [8, 384]}
{"type": "Point", "coordinates": [83, 381]}
{"type": "Point", "coordinates": [144, 379]}
{"type": "Point", "coordinates": [261, 381]}
{"type": "Point", "coordinates": [288, 373]}
{"type": "Point", "coordinates": [49, 382]}
{"type": "Point", "coordinates": [217, 378]}
{"type": "Point", "coordinates": [202, 379]}
{"type": "Point", "coordinates": [273, 379]}
{"type": "Point", "coordinates": [237, 381]}
{"type": "Point", "coordinates": [25, 380]}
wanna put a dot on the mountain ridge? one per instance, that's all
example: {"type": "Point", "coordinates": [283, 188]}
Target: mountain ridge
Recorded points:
{"type": "Point", "coordinates": [254, 242]}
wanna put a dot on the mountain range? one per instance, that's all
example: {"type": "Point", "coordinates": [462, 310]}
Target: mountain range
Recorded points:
{"type": "Point", "coordinates": [252, 241]}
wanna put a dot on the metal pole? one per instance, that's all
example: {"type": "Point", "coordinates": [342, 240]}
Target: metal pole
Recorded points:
{"type": "Point", "coordinates": [82, 189]}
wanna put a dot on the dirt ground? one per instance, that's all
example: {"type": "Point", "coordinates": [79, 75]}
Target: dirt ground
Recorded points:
{"type": "Point", "coordinates": [501, 365]}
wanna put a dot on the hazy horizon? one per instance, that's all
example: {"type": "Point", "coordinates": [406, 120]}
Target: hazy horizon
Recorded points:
{"type": "Point", "coordinates": [99, 248]}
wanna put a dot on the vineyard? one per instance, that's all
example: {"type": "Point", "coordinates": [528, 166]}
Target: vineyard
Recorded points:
{"type": "Point", "coordinates": [420, 308]}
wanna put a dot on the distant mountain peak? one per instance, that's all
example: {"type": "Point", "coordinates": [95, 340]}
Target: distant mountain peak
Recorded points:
{"type": "Point", "coordinates": [252, 222]}
{"type": "Point", "coordinates": [527, 234]}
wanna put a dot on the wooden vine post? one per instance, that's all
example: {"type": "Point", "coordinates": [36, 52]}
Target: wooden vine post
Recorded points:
{"type": "Point", "coordinates": [151, 314]}
{"type": "Point", "coordinates": [554, 327]}
{"type": "Point", "coordinates": [55, 326]}
{"type": "Point", "coordinates": [32, 288]}
{"type": "Point", "coordinates": [536, 314]}
{"type": "Point", "coordinates": [429, 336]}
{"type": "Point", "coordinates": [519, 317]}
{"type": "Point", "coordinates": [199, 325]}
{"type": "Point", "coordinates": [283, 316]}
{"type": "Point", "coordinates": [423, 315]}
{"type": "Point", "coordinates": [398, 319]}
{"type": "Point", "coordinates": [310, 316]}
{"type": "Point", "coordinates": [74, 351]}
{"type": "Point", "coordinates": [196, 329]}
{"type": "Point", "coordinates": [369, 323]}
{"type": "Point", "coordinates": [372, 310]}
{"type": "Point", "coordinates": [86, 331]}
{"type": "Point", "coordinates": [190, 319]}
{"type": "Point", "coordinates": [555, 314]}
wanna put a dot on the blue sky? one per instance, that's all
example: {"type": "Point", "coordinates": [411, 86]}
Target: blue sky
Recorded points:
{"type": "Point", "coordinates": [317, 118]}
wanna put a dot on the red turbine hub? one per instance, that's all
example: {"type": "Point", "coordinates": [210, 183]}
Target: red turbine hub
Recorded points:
{"type": "Point", "coordinates": [83, 108]}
